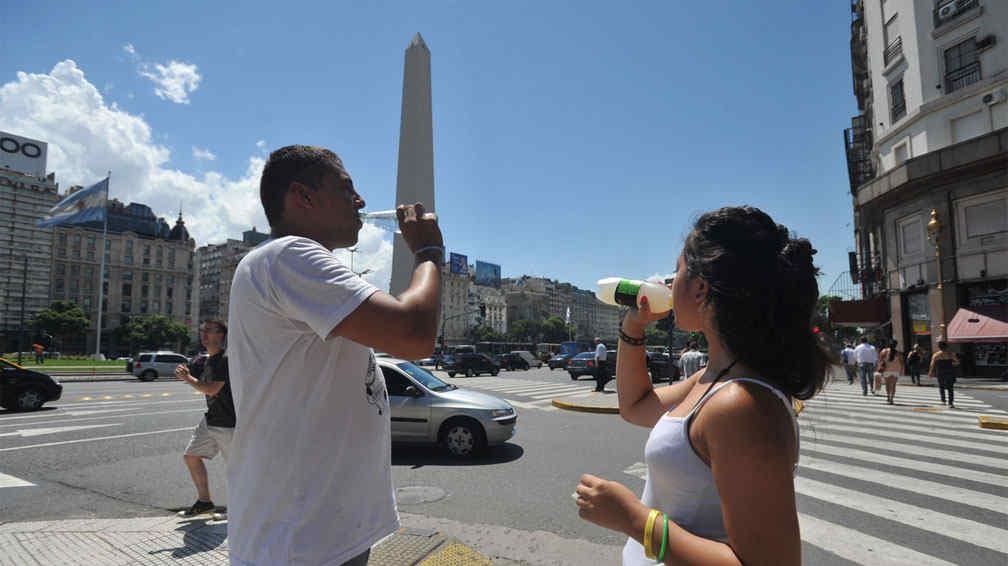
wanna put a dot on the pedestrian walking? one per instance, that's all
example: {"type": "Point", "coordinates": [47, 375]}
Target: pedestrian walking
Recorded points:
{"type": "Point", "coordinates": [213, 434]}
{"type": "Point", "coordinates": [723, 446]}
{"type": "Point", "coordinates": [866, 357]}
{"type": "Point", "coordinates": [310, 476]}
{"type": "Point", "coordinates": [850, 366]}
{"type": "Point", "coordinates": [891, 367]}
{"type": "Point", "coordinates": [943, 364]}
{"type": "Point", "coordinates": [691, 360]}
{"type": "Point", "coordinates": [601, 365]}
{"type": "Point", "coordinates": [914, 361]}
{"type": "Point", "coordinates": [39, 353]}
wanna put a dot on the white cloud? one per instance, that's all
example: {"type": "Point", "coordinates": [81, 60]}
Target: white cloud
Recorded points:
{"type": "Point", "coordinates": [128, 48]}
{"type": "Point", "coordinates": [261, 144]}
{"type": "Point", "coordinates": [88, 137]}
{"type": "Point", "coordinates": [174, 81]}
{"type": "Point", "coordinates": [203, 154]}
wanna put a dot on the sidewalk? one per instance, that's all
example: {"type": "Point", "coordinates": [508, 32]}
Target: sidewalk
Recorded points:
{"type": "Point", "coordinates": [422, 541]}
{"type": "Point", "coordinates": [607, 402]}
{"type": "Point", "coordinates": [170, 540]}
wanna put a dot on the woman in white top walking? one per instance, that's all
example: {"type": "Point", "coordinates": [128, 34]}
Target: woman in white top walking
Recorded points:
{"type": "Point", "coordinates": [724, 442]}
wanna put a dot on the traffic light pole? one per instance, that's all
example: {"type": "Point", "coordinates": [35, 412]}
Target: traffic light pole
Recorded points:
{"type": "Point", "coordinates": [482, 309]}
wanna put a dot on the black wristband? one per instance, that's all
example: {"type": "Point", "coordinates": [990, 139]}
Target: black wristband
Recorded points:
{"type": "Point", "coordinates": [630, 339]}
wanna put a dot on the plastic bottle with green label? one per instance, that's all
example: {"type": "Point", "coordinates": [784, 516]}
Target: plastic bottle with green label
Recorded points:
{"type": "Point", "coordinates": [628, 292]}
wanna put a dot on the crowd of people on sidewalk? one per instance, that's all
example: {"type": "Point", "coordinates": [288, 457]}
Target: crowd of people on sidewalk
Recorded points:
{"type": "Point", "coordinates": [875, 369]}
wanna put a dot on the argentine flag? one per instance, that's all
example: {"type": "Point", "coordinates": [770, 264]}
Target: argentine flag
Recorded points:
{"type": "Point", "coordinates": [85, 205]}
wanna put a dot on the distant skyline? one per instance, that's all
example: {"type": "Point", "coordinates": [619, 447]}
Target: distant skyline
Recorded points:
{"type": "Point", "coordinates": [572, 140]}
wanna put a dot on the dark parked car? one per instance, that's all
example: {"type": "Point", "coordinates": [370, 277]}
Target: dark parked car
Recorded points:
{"type": "Point", "coordinates": [559, 361]}
{"type": "Point", "coordinates": [471, 364]}
{"type": "Point", "coordinates": [661, 367]}
{"type": "Point", "coordinates": [512, 361]}
{"type": "Point", "coordinates": [24, 389]}
{"type": "Point", "coordinates": [584, 364]}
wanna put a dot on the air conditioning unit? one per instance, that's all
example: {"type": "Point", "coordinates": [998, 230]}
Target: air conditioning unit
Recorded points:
{"type": "Point", "coordinates": [948, 10]}
{"type": "Point", "coordinates": [992, 98]}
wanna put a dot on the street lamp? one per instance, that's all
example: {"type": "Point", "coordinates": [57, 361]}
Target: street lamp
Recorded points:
{"type": "Point", "coordinates": [934, 228]}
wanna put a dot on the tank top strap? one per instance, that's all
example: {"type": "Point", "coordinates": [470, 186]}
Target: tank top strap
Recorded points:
{"type": "Point", "coordinates": [784, 398]}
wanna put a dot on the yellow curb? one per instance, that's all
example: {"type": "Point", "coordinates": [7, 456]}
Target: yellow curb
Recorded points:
{"type": "Point", "coordinates": [585, 408]}
{"type": "Point", "coordinates": [994, 423]}
{"type": "Point", "coordinates": [456, 553]}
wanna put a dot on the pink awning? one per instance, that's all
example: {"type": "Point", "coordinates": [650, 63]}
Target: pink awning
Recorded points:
{"type": "Point", "coordinates": [988, 323]}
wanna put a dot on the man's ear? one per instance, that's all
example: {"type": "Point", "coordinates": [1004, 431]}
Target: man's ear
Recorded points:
{"type": "Point", "coordinates": [299, 194]}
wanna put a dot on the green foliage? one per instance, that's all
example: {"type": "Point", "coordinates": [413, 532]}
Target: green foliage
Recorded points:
{"type": "Point", "coordinates": [483, 333]}
{"type": "Point", "coordinates": [154, 331]}
{"type": "Point", "coordinates": [555, 330]}
{"type": "Point", "coordinates": [654, 336]}
{"type": "Point", "coordinates": [62, 319]}
{"type": "Point", "coordinates": [524, 330]}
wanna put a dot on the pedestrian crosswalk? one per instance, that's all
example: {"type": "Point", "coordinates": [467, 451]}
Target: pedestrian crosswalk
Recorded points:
{"type": "Point", "coordinates": [910, 483]}
{"type": "Point", "coordinates": [525, 393]}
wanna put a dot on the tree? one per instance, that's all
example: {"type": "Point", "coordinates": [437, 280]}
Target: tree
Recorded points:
{"type": "Point", "coordinates": [155, 331]}
{"type": "Point", "coordinates": [62, 319]}
{"type": "Point", "coordinates": [555, 330]}
{"type": "Point", "coordinates": [483, 333]}
{"type": "Point", "coordinates": [524, 330]}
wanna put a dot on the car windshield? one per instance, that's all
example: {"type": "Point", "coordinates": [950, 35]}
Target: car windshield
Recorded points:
{"type": "Point", "coordinates": [584, 355]}
{"type": "Point", "coordinates": [426, 378]}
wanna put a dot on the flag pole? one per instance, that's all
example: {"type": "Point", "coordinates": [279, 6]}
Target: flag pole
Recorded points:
{"type": "Point", "coordinates": [101, 269]}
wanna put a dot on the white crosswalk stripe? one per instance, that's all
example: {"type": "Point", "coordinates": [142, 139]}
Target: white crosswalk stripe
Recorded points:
{"type": "Point", "coordinates": [523, 393]}
{"type": "Point", "coordinates": [887, 484]}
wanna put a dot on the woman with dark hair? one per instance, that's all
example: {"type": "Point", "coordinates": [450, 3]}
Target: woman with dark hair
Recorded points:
{"type": "Point", "coordinates": [891, 367]}
{"type": "Point", "coordinates": [943, 364]}
{"type": "Point", "coordinates": [724, 444]}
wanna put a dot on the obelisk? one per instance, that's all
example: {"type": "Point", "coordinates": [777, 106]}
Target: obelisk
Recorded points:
{"type": "Point", "coordinates": [415, 173]}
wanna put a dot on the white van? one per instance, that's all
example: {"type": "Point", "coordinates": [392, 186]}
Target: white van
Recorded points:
{"type": "Point", "coordinates": [533, 362]}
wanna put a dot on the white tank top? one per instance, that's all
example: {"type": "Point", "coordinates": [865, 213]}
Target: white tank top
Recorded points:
{"type": "Point", "coordinates": [679, 483]}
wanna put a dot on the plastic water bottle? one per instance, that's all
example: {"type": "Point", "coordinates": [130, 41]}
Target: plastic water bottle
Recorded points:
{"type": "Point", "coordinates": [384, 219]}
{"type": "Point", "coordinates": [628, 293]}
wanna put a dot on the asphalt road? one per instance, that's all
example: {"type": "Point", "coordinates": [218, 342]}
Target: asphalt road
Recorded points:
{"type": "Point", "coordinates": [863, 492]}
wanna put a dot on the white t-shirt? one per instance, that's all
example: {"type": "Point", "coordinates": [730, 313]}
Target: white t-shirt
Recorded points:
{"type": "Point", "coordinates": [309, 479]}
{"type": "Point", "coordinates": [600, 352]}
{"type": "Point", "coordinates": [866, 354]}
{"type": "Point", "coordinates": [848, 355]}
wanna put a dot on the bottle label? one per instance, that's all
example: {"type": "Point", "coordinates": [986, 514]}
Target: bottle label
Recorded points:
{"type": "Point", "coordinates": [626, 293]}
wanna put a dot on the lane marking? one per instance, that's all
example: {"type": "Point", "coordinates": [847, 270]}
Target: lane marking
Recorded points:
{"type": "Point", "coordinates": [948, 492]}
{"type": "Point", "coordinates": [912, 451]}
{"type": "Point", "coordinates": [997, 480]}
{"type": "Point", "coordinates": [859, 547]}
{"type": "Point", "coordinates": [29, 432]}
{"type": "Point", "coordinates": [95, 439]}
{"type": "Point", "coordinates": [897, 423]}
{"type": "Point", "coordinates": [973, 532]}
{"type": "Point", "coordinates": [887, 432]}
{"type": "Point", "coordinates": [126, 416]}
{"type": "Point", "coordinates": [11, 481]}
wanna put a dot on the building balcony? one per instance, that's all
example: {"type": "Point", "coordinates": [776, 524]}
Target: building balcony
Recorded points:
{"type": "Point", "coordinates": [962, 77]}
{"type": "Point", "coordinates": [857, 147]}
{"type": "Point", "coordinates": [893, 50]}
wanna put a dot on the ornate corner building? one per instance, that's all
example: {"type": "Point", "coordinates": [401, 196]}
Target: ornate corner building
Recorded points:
{"type": "Point", "coordinates": [927, 159]}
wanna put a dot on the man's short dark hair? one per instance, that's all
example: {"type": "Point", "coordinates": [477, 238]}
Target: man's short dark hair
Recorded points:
{"type": "Point", "coordinates": [691, 345]}
{"type": "Point", "coordinates": [942, 344]}
{"type": "Point", "coordinates": [218, 323]}
{"type": "Point", "coordinates": [302, 163]}
{"type": "Point", "coordinates": [864, 339]}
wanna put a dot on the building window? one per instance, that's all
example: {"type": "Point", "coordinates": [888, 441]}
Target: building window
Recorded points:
{"type": "Point", "coordinates": [168, 308]}
{"type": "Point", "coordinates": [986, 218]}
{"type": "Point", "coordinates": [144, 291]}
{"type": "Point", "coordinates": [897, 100]}
{"type": "Point", "coordinates": [171, 258]}
{"type": "Point", "coordinates": [962, 65]}
{"type": "Point", "coordinates": [159, 256]}
{"type": "Point", "coordinates": [911, 236]}
{"type": "Point", "coordinates": [125, 306]}
{"type": "Point", "coordinates": [127, 275]}
{"type": "Point", "coordinates": [901, 153]}
{"type": "Point", "coordinates": [145, 277]}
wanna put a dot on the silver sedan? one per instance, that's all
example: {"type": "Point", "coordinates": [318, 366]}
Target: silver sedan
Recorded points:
{"type": "Point", "coordinates": [428, 410]}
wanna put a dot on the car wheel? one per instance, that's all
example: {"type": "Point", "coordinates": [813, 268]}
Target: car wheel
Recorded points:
{"type": "Point", "coordinates": [29, 400]}
{"type": "Point", "coordinates": [149, 375]}
{"type": "Point", "coordinates": [462, 438]}
{"type": "Point", "coordinates": [495, 372]}
{"type": "Point", "coordinates": [451, 374]}
{"type": "Point", "coordinates": [573, 375]}
{"type": "Point", "coordinates": [470, 373]}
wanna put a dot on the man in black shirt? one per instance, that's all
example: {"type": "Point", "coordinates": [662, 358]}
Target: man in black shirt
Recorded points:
{"type": "Point", "coordinates": [213, 433]}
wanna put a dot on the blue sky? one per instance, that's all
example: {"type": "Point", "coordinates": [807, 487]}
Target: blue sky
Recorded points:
{"type": "Point", "coordinates": [572, 140]}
